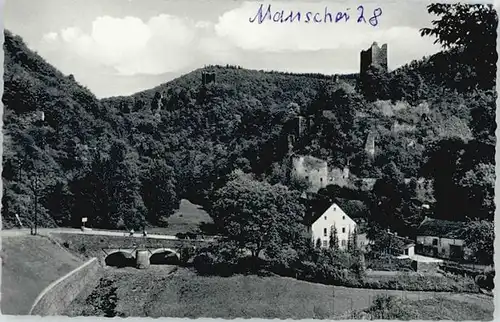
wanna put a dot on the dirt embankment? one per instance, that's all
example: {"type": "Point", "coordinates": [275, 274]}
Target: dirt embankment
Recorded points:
{"type": "Point", "coordinates": [56, 297]}
{"type": "Point", "coordinates": [159, 292]}
{"type": "Point", "coordinates": [29, 265]}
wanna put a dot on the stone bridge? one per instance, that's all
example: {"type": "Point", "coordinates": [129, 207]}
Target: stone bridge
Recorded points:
{"type": "Point", "coordinates": [141, 256]}
{"type": "Point", "coordinates": [114, 255]}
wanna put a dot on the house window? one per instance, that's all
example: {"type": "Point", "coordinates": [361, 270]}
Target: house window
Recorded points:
{"type": "Point", "coordinates": [325, 243]}
{"type": "Point", "coordinates": [343, 217]}
{"type": "Point", "coordinates": [307, 177]}
{"type": "Point", "coordinates": [343, 242]}
{"type": "Point", "coordinates": [324, 232]}
{"type": "Point", "coordinates": [321, 180]}
{"type": "Point", "coordinates": [434, 242]}
{"type": "Point", "coordinates": [343, 229]}
{"type": "Point", "coordinates": [325, 217]}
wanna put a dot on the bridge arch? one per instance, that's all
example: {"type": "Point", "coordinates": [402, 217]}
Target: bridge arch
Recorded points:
{"type": "Point", "coordinates": [161, 256]}
{"type": "Point", "coordinates": [120, 258]}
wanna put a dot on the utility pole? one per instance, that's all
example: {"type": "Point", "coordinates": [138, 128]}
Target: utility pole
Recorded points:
{"type": "Point", "coordinates": [36, 205]}
{"type": "Point", "coordinates": [40, 119]}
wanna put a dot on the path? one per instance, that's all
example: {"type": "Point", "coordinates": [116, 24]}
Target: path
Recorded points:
{"type": "Point", "coordinates": [44, 231]}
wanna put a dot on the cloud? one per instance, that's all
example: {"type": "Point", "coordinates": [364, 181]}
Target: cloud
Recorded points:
{"type": "Point", "coordinates": [269, 36]}
{"type": "Point", "coordinates": [173, 44]}
{"type": "Point", "coordinates": [128, 44]}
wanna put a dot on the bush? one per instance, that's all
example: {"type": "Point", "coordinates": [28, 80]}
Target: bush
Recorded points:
{"type": "Point", "coordinates": [217, 259]}
{"type": "Point", "coordinates": [486, 280]}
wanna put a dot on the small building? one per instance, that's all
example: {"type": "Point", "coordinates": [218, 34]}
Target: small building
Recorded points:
{"type": "Point", "coordinates": [441, 239]}
{"type": "Point", "coordinates": [320, 226]}
{"type": "Point", "coordinates": [409, 249]}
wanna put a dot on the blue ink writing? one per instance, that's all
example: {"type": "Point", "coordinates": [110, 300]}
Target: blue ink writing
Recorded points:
{"type": "Point", "coordinates": [374, 20]}
{"type": "Point", "coordinates": [342, 15]}
{"type": "Point", "coordinates": [361, 17]}
{"type": "Point", "coordinates": [267, 14]}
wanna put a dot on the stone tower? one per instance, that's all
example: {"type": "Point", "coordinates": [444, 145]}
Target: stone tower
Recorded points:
{"type": "Point", "coordinates": [297, 129]}
{"type": "Point", "coordinates": [374, 55]}
{"type": "Point", "coordinates": [370, 146]}
{"type": "Point", "coordinates": [207, 77]}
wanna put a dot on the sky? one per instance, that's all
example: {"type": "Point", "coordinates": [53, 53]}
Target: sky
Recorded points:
{"type": "Point", "coordinates": [119, 47]}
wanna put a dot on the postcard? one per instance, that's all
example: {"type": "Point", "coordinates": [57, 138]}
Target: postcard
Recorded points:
{"type": "Point", "coordinates": [242, 159]}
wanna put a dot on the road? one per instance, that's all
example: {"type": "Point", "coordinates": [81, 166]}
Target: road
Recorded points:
{"type": "Point", "coordinates": [45, 231]}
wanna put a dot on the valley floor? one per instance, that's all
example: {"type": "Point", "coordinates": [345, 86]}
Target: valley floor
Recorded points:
{"type": "Point", "coordinates": [167, 291]}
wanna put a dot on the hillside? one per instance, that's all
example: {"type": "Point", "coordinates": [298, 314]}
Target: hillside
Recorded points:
{"type": "Point", "coordinates": [29, 265]}
{"type": "Point", "coordinates": [126, 162]}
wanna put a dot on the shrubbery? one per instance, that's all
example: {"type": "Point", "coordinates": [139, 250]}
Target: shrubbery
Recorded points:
{"type": "Point", "coordinates": [486, 280]}
{"type": "Point", "coordinates": [323, 266]}
{"type": "Point", "coordinates": [382, 264]}
{"type": "Point", "coordinates": [411, 282]}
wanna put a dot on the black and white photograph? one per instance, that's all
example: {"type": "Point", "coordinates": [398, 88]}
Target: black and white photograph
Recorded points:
{"type": "Point", "coordinates": [330, 160]}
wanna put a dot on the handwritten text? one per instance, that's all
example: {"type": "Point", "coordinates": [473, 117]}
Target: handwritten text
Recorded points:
{"type": "Point", "coordinates": [359, 16]}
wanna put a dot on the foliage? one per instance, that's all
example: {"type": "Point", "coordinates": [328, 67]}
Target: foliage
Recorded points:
{"type": "Point", "coordinates": [479, 237]}
{"type": "Point", "coordinates": [256, 215]}
{"type": "Point", "coordinates": [334, 239]}
{"type": "Point", "coordinates": [127, 161]}
{"type": "Point", "coordinates": [472, 28]}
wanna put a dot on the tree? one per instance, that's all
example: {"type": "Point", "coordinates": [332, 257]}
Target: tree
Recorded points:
{"type": "Point", "coordinates": [482, 110]}
{"type": "Point", "coordinates": [349, 241]}
{"type": "Point", "coordinates": [159, 192]}
{"type": "Point", "coordinates": [478, 186]}
{"type": "Point", "coordinates": [480, 237]}
{"type": "Point", "coordinates": [472, 29]}
{"type": "Point", "coordinates": [354, 242]}
{"type": "Point", "coordinates": [334, 239]}
{"type": "Point", "coordinates": [256, 215]}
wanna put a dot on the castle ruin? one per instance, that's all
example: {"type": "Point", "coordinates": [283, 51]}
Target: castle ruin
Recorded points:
{"type": "Point", "coordinates": [376, 56]}
{"type": "Point", "coordinates": [370, 146]}
{"type": "Point", "coordinates": [311, 169]}
{"type": "Point", "coordinates": [207, 77]}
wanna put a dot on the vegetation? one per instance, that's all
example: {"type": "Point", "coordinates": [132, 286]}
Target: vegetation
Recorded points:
{"type": "Point", "coordinates": [126, 162]}
{"type": "Point", "coordinates": [439, 308]}
{"type": "Point", "coordinates": [159, 293]}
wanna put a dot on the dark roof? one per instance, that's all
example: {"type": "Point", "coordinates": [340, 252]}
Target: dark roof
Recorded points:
{"type": "Point", "coordinates": [441, 228]}
{"type": "Point", "coordinates": [311, 217]}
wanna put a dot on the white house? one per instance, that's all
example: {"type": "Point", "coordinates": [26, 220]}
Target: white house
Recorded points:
{"type": "Point", "coordinates": [441, 238]}
{"type": "Point", "coordinates": [320, 226]}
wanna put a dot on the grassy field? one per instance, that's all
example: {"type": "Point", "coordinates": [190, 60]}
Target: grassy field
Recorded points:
{"type": "Point", "coordinates": [157, 292]}
{"type": "Point", "coordinates": [187, 218]}
{"type": "Point", "coordinates": [29, 264]}
{"type": "Point", "coordinates": [440, 308]}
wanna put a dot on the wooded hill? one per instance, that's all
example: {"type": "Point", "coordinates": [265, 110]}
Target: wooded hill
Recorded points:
{"type": "Point", "coordinates": [127, 161]}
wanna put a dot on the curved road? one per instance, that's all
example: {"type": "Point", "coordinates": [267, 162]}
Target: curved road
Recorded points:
{"type": "Point", "coordinates": [44, 231]}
